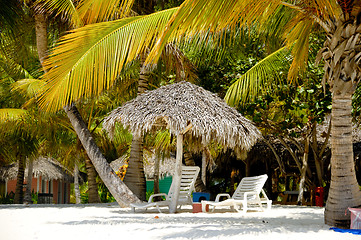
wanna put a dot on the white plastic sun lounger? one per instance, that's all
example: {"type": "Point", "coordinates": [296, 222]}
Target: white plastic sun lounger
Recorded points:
{"type": "Point", "coordinates": [189, 176]}
{"type": "Point", "coordinates": [246, 195]}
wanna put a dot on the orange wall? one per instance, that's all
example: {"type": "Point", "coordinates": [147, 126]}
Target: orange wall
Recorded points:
{"type": "Point", "coordinates": [11, 186]}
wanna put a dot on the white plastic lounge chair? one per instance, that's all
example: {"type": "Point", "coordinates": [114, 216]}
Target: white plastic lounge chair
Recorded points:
{"type": "Point", "coordinates": [247, 194]}
{"type": "Point", "coordinates": [189, 176]}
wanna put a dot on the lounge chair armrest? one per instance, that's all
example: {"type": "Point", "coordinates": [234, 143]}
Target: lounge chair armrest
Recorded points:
{"type": "Point", "coordinates": [222, 195]}
{"type": "Point", "coordinates": [157, 195]}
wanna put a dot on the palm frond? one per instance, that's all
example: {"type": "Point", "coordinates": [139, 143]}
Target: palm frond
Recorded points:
{"type": "Point", "coordinates": [204, 16]}
{"type": "Point", "coordinates": [298, 39]}
{"type": "Point", "coordinates": [11, 114]}
{"type": "Point", "coordinates": [258, 78]}
{"type": "Point", "coordinates": [92, 11]}
{"type": "Point", "coordinates": [66, 9]}
{"type": "Point", "coordinates": [29, 87]}
{"type": "Point", "coordinates": [88, 60]}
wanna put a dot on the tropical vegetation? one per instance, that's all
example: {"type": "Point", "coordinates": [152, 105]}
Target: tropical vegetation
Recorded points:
{"type": "Point", "coordinates": [112, 50]}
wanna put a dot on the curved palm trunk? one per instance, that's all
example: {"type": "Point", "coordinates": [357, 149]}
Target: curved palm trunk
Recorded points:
{"type": "Point", "coordinates": [344, 190]}
{"type": "Point", "coordinates": [19, 182]}
{"type": "Point", "coordinates": [117, 188]}
{"type": "Point", "coordinates": [92, 182]}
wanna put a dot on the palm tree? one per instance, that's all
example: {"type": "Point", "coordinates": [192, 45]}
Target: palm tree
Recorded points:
{"type": "Point", "coordinates": [85, 13]}
{"type": "Point", "coordinates": [107, 39]}
{"type": "Point", "coordinates": [340, 20]}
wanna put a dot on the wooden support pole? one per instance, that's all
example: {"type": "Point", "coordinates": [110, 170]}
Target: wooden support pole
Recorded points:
{"type": "Point", "coordinates": [177, 174]}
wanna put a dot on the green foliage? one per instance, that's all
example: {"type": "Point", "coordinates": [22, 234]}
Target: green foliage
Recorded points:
{"type": "Point", "coordinates": [356, 106]}
{"type": "Point", "coordinates": [34, 197]}
{"type": "Point", "coordinates": [288, 108]}
{"type": "Point", "coordinates": [148, 194]}
{"type": "Point", "coordinates": [104, 194]}
{"type": "Point", "coordinates": [7, 198]}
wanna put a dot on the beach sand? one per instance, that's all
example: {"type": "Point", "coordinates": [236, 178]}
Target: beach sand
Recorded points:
{"type": "Point", "coordinates": [109, 221]}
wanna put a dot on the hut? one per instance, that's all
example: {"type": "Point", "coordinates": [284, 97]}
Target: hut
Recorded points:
{"type": "Point", "coordinates": [186, 110]}
{"type": "Point", "coordinates": [50, 180]}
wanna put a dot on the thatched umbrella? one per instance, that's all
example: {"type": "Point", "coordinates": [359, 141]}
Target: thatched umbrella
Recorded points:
{"type": "Point", "coordinates": [46, 167]}
{"type": "Point", "coordinates": [185, 108]}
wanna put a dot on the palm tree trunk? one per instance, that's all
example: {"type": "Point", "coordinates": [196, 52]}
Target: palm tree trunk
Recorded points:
{"type": "Point", "coordinates": [20, 182]}
{"type": "Point", "coordinates": [92, 182]}
{"type": "Point", "coordinates": [135, 178]}
{"type": "Point", "coordinates": [117, 188]}
{"type": "Point", "coordinates": [76, 185]}
{"type": "Point", "coordinates": [318, 162]}
{"type": "Point", "coordinates": [204, 167]}
{"type": "Point", "coordinates": [41, 36]}
{"type": "Point", "coordinates": [156, 174]}
{"type": "Point", "coordinates": [29, 178]}
{"type": "Point", "coordinates": [303, 171]}
{"type": "Point", "coordinates": [344, 190]}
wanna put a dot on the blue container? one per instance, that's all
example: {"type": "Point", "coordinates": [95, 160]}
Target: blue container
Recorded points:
{"type": "Point", "coordinates": [199, 196]}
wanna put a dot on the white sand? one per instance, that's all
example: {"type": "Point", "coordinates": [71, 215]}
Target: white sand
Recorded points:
{"type": "Point", "coordinates": [108, 221]}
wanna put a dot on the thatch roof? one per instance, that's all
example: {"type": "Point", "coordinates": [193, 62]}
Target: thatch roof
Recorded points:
{"type": "Point", "coordinates": [166, 166]}
{"type": "Point", "coordinates": [176, 106]}
{"type": "Point", "coordinates": [48, 168]}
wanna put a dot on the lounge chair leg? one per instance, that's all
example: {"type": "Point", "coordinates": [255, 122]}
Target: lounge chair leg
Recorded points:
{"type": "Point", "coordinates": [245, 208]}
{"type": "Point", "coordinates": [269, 205]}
{"type": "Point", "coordinates": [204, 207]}
{"type": "Point", "coordinates": [159, 209]}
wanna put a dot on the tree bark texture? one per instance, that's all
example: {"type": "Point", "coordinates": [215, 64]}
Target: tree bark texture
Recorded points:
{"type": "Point", "coordinates": [303, 171]}
{"type": "Point", "coordinates": [344, 189]}
{"type": "Point", "coordinates": [76, 185]}
{"type": "Point", "coordinates": [117, 188]}
{"type": "Point", "coordinates": [204, 167]}
{"type": "Point", "coordinates": [41, 36]}
{"type": "Point", "coordinates": [135, 178]}
{"type": "Point", "coordinates": [156, 175]}
{"type": "Point", "coordinates": [93, 195]}
{"type": "Point", "coordinates": [29, 178]}
{"type": "Point", "coordinates": [341, 54]}
{"type": "Point", "coordinates": [317, 156]}
{"type": "Point", "coordinates": [19, 192]}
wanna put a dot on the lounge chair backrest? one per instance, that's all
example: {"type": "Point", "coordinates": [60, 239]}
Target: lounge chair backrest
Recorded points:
{"type": "Point", "coordinates": [189, 176]}
{"type": "Point", "coordinates": [250, 184]}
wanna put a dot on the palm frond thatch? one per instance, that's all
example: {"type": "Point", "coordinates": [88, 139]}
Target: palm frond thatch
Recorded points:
{"type": "Point", "coordinates": [179, 105]}
{"type": "Point", "coordinates": [47, 168]}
